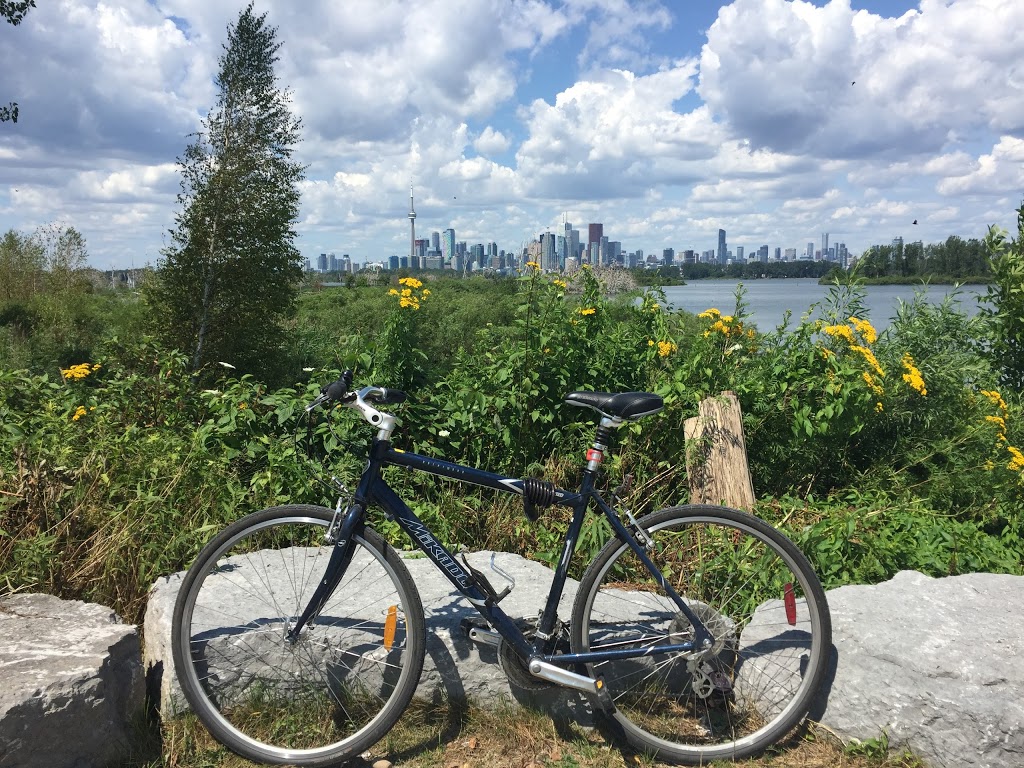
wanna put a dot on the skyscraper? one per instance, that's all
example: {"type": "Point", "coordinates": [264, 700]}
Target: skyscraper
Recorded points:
{"type": "Point", "coordinates": [412, 228]}
{"type": "Point", "coordinates": [594, 235]}
{"type": "Point", "coordinates": [722, 253]}
{"type": "Point", "coordinates": [447, 246]}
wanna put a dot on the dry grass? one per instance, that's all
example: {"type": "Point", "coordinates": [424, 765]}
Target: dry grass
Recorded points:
{"type": "Point", "coordinates": [446, 736]}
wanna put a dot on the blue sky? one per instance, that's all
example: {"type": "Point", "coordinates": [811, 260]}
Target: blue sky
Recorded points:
{"type": "Point", "coordinates": [775, 120]}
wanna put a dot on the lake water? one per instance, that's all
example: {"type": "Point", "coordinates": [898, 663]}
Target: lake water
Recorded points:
{"type": "Point", "coordinates": [768, 300]}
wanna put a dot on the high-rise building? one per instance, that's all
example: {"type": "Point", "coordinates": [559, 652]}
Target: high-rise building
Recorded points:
{"type": "Point", "coordinates": [435, 241]}
{"type": "Point", "coordinates": [412, 227]}
{"type": "Point", "coordinates": [594, 234]}
{"type": "Point", "coordinates": [668, 256]}
{"type": "Point", "coordinates": [739, 253]}
{"type": "Point", "coordinates": [824, 245]}
{"type": "Point", "coordinates": [448, 246]}
{"type": "Point", "coordinates": [762, 253]}
{"type": "Point", "coordinates": [548, 252]}
{"type": "Point", "coordinates": [722, 248]}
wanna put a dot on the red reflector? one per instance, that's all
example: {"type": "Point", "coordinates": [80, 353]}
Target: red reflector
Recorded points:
{"type": "Point", "coordinates": [594, 455]}
{"type": "Point", "coordinates": [790, 600]}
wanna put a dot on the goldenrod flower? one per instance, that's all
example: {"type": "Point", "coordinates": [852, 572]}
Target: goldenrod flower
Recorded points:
{"type": "Point", "coordinates": [1017, 463]}
{"type": "Point", "coordinates": [872, 384]}
{"type": "Point", "coordinates": [588, 311]}
{"type": "Point", "coordinates": [840, 332]}
{"type": "Point", "coordinates": [913, 375]}
{"type": "Point", "coordinates": [865, 329]}
{"type": "Point", "coordinates": [410, 282]}
{"type": "Point", "coordinates": [79, 371]}
{"type": "Point", "coordinates": [709, 314]}
{"type": "Point", "coordinates": [665, 348]}
{"type": "Point", "coordinates": [80, 411]}
{"type": "Point", "coordinates": [869, 356]}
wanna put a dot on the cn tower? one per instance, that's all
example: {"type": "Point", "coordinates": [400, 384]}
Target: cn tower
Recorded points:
{"type": "Point", "coordinates": [412, 231]}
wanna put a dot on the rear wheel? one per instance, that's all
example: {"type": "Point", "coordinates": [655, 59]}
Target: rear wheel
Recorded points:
{"type": "Point", "coordinates": [757, 595]}
{"type": "Point", "coordinates": [334, 691]}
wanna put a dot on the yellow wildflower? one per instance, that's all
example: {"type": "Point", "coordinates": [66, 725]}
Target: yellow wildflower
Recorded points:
{"type": "Point", "coordinates": [79, 371]}
{"type": "Point", "coordinates": [393, 292]}
{"type": "Point", "coordinates": [840, 332]}
{"type": "Point", "coordinates": [872, 384]}
{"type": "Point", "coordinates": [709, 314]}
{"type": "Point", "coordinates": [533, 265]}
{"type": "Point", "coordinates": [995, 398]}
{"type": "Point", "coordinates": [410, 282]}
{"type": "Point", "coordinates": [666, 348]}
{"type": "Point", "coordinates": [913, 375]}
{"type": "Point", "coordinates": [407, 292]}
{"type": "Point", "coordinates": [426, 292]}
{"type": "Point", "coordinates": [242, 406]}
{"type": "Point", "coordinates": [588, 311]}
{"type": "Point", "coordinates": [559, 284]}
{"type": "Point", "coordinates": [878, 408]}
{"type": "Point", "coordinates": [999, 421]}
{"type": "Point", "coordinates": [827, 353]}
{"type": "Point", "coordinates": [1017, 463]}
{"type": "Point", "coordinates": [654, 307]}
{"type": "Point", "coordinates": [650, 342]}
{"type": "Point", "coordinates": [869, 356]}
{"type": "Point", "coordinates": [865, 329]}
{"type": "Point", "coordinates": [80, 411]}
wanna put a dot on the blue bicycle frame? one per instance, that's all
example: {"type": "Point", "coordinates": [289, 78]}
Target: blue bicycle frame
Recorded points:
{"type": "Point", "coordinates": [373, 489]}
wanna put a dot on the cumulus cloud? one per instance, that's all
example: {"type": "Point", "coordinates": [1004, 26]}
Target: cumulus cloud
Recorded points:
{"type": "Point", "coordinates": [837, 83]}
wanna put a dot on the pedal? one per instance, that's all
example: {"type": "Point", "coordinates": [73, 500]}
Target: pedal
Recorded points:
{"type": "Point", "coordinates": [493, 596]}
{"type": "Point", "coordinates": [479, 632]}
{"type": "Point", "coordinates": [604, 699]}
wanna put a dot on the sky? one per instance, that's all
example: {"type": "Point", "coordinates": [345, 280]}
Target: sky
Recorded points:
{"type": "Point", "coordinates": [664, 120]}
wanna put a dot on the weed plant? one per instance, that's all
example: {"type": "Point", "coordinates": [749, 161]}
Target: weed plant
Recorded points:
{"type": "Point", "coordinates": [875, 451]}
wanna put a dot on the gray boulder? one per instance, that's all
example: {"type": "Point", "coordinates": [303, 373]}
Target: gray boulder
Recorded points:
{"type": "Point", "coordinates": [71, 683]}
{"type": "Point", "coordinates": [935, 664]}
{"type": "Point", "coordinates": [455, 668]}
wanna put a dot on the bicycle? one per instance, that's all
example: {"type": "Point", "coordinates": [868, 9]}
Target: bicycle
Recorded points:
{"type": "Point", "coordinates": [700, 632]}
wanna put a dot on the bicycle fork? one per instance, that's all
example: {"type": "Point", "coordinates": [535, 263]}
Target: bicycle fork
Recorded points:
{"type": "Point", "coordinates": [341, 556]}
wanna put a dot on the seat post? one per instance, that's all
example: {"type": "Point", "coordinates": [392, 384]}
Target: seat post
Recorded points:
{"type": "Point", "coordinates": [602, 440]}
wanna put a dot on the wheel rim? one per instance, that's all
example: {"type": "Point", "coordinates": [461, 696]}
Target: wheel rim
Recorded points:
{"type": "Point", "coordinates": [304, 700]}
{"type": "Point", "coordinates": [754, 683]}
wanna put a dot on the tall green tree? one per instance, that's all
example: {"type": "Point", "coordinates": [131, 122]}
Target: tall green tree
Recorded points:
{"type": "Point", "coordinates": [1004, 304]}
{"type": "Point", "coordinates": [13, 11]}
{"type": "Point", "coordinates": [229, 279]}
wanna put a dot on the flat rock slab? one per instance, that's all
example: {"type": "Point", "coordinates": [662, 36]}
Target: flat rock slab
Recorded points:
{"type": "Point", "coordinates": [455, 668]}
{"type": "Point", "coordinates": [935, 664]}
{"type": "Point", "coordinates": [71, 683]}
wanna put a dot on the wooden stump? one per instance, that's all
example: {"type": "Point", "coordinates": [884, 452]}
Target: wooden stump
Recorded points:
{"type": "Point", "coordinates": [716, 454]}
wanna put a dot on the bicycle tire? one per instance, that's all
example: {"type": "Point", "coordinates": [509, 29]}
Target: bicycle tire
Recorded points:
{"type": "Point", "coordinates": [755, 683]}
{"type": "Point", "coordinates": [336, 690]}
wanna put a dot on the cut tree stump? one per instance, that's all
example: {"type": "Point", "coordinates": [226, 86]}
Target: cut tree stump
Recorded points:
{"type": "Point", "coordinates": [716, 454]}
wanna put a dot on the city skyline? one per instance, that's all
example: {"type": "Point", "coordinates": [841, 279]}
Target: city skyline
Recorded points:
{"type": "Point", "coordinates": [665, 121]}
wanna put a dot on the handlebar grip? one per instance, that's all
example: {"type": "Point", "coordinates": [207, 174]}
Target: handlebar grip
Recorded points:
{"type": "Point", "coordinates": [391, 397]}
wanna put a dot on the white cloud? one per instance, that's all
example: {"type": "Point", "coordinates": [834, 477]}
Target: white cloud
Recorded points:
{"type": "Point", "coordinates": [1001, 169]}
{"type": "Point", "coordinates": [491, 142]}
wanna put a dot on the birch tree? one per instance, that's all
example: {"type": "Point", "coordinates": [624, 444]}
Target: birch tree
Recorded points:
{"type": "Point", "coordinates": [229, 279]}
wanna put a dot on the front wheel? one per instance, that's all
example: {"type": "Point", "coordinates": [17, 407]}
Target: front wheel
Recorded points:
{"type": "Point", "coordinates": [757, 595]}
{"type": "Point", "coordinates": [312, 700]}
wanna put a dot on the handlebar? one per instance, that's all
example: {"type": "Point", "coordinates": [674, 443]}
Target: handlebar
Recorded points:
{"type": "Point", "coordinates": [340, 391]}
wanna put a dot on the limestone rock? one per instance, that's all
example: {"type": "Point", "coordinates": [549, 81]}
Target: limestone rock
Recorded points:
{"type": "Point", "coordinates": [71, 683]}
{"type": "Point", "coordinates": [455, 668]}
{"type": "Point", "coordinates": [935, 664]}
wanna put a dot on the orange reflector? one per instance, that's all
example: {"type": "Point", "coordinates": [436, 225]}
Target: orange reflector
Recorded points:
{"type": "Point", "coordinates": [790, 600]}
{"type": "Point", "coordinates": [390, 624]}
